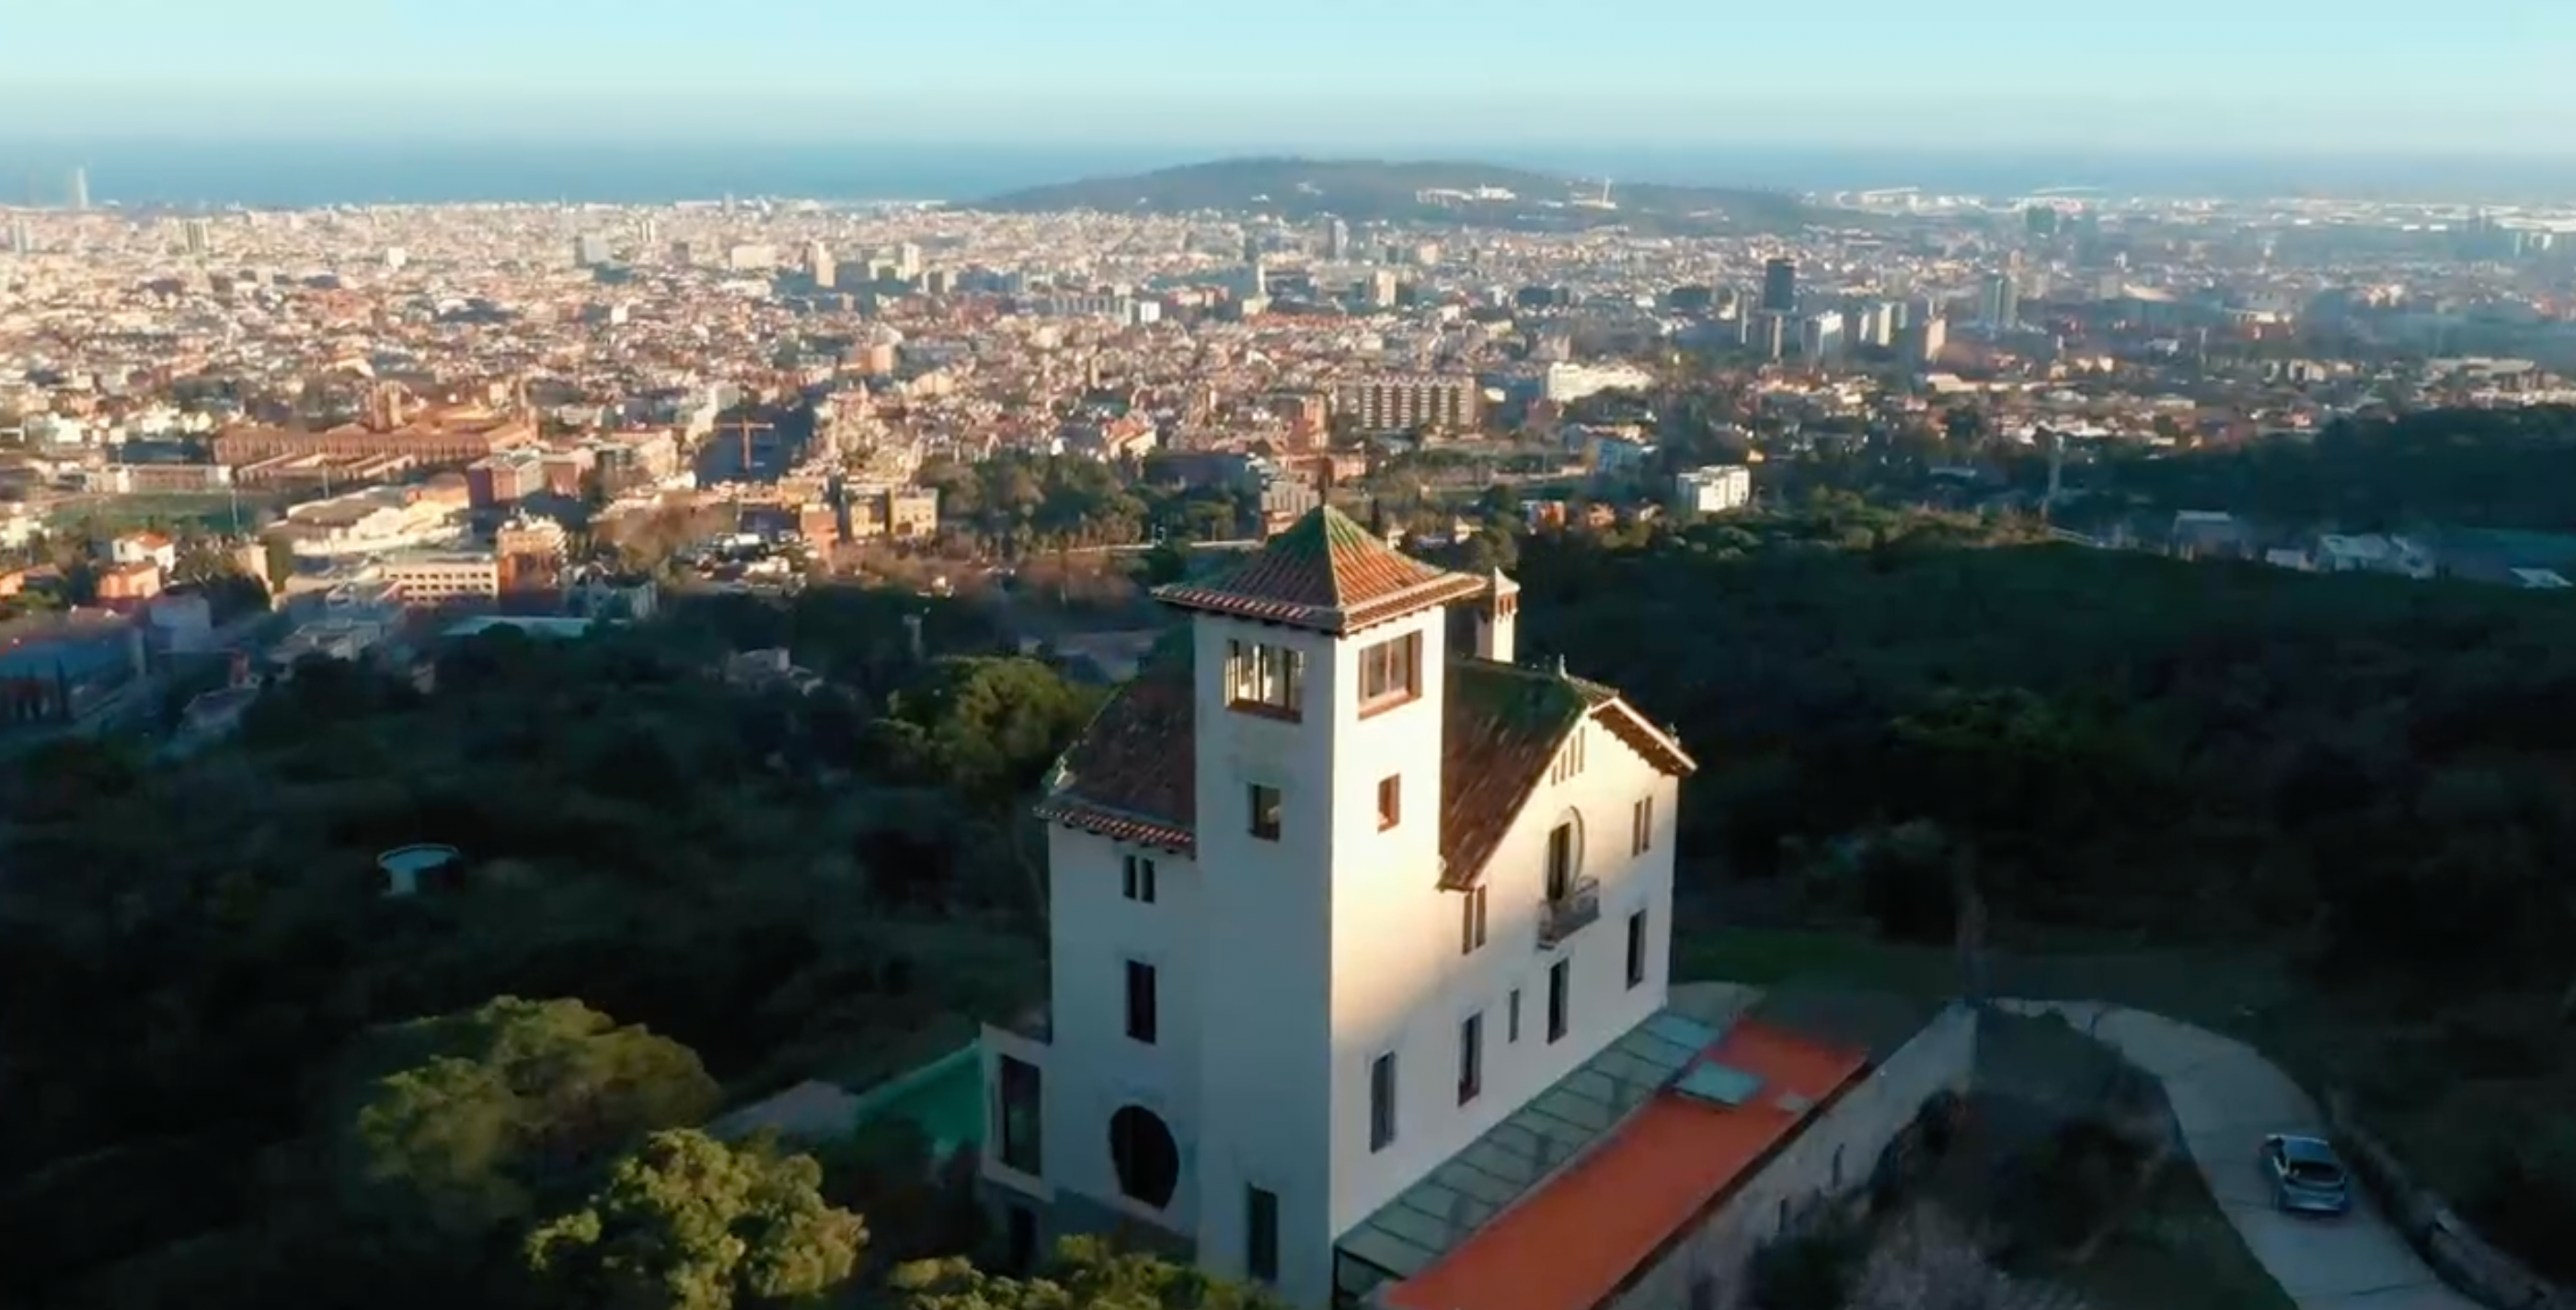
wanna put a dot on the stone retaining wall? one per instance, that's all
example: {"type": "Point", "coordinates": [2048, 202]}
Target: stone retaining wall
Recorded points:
{"type": "Point", "coordinates": [2464, 1259]}
{"type": "Point", "coordinates": [1827, 1161]}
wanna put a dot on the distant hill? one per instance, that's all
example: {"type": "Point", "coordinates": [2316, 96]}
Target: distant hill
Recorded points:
{"type": "Point", "coordinates": [1366, 190]}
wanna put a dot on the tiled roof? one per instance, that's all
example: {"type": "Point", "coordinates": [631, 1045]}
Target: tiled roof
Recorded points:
{"type": "Point", "coordinates": [1629, 726]}
{"type": "Point", "coordinates": [1133, 774]}
{"type": "Point", "coordinates": [1504, 726]}
{"type": "Point", "coordinates": [1326, 573]}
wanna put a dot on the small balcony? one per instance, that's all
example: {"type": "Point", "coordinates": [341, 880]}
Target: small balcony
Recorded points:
{"type": "Point", "coordinates": [1561, 917]}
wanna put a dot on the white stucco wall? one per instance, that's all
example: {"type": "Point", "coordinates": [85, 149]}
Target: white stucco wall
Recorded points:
{"type": "Point", "coordinates": [1286, 967]}
{"type": "Point", "coordinates": [1402, 985]}
{"type": "Point", "coordinates": [1265, 1064]}
{"type": "Point", "coordinates": [1831, 1157]}
{"type": "Point", "coordinates": [1394, 933]}
{"type": "Point", "coordinates": [1092, 1066]}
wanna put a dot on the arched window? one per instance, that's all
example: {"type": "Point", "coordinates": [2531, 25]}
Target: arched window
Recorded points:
{"type": "Point", "coordinates": [1564, 855]}
{"type": "Point", "coordinates": [1147, 1160]}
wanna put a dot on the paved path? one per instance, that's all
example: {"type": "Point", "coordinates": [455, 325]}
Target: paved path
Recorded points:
{"type": "Point", "coordinates": [2226, 1097]}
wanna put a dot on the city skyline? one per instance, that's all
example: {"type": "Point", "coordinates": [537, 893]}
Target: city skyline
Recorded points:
{"type": "Point", "coordinates": [1105, 707]}
{"type": "Point", "coordinates": [2293, 76]}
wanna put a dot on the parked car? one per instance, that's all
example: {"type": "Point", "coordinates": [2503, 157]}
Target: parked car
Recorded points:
{"type": "Point", "coordinates": [2307, 1176]}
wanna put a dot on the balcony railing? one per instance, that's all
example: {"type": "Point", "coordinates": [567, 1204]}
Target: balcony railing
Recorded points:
{"type": "Point", "coordinates": [1563, 916]}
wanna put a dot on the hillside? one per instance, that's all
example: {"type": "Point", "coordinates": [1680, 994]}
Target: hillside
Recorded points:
{"type": "Point", "coordinates": [2363, 779]}
{"type": "Point", "coordinates": [1373, 190]}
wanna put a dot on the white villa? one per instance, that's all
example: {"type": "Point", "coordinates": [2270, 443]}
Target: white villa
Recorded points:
{"type": "Point", "coordinates": [1359, 948]}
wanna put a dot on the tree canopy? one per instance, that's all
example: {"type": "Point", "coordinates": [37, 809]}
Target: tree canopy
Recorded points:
{"type": "Point", "coordinates": [690, 1223]}
{"type": "Point", "coordinates": [465, 1120]}
{"type": "Point", "coordinates": [768, 883]}
{"type": "Point", "coordinates": [1017, 504]}
{"type": "Point", "coordinates": [2496, 468]}
{"type": "Point", "coordinates": [1086, 1273]}
{"type": "Point", "coordinates": [2372, 776]}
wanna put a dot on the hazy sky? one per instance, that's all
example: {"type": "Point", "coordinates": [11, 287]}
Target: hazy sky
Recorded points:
{"type": "Point", "coordinates": [2481, 76]}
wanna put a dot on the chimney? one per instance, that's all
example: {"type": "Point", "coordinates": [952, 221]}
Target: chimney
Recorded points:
{"type": "Point", "coordinates": [1497, 616]}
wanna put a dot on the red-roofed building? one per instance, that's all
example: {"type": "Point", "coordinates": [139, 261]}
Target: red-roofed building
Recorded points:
{"type": "Point", "coordinates": [155, 548]}
{"type": "Point", "coordinates": [1331, 905]}
{"type": "Point", "coordinates": [1756, 1134]}
{"type": "Point", "coordinates": [127, 584]}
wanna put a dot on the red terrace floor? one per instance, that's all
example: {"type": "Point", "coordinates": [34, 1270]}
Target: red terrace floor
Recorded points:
{"type": "Point", "coordinates": [1569, 1244]}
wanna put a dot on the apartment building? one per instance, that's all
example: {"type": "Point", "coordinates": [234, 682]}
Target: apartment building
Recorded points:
{"type": "Point", "coordinates": [901, 513]}
{"type": "Point", "coordinates": [1713, 489]}
{"type": "Point", "coordinates": [1409, 402]}
{"type": "Point", "coordinates": [430, 579]}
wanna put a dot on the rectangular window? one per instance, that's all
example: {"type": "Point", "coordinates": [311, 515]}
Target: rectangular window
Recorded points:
{"type": "Point", "coordinates": [1637, 948]}
{"type": "Point", "coordinates": [1471, 923]}
{"type": "Point", "coordinates": [1140, 1001]}
{"type": "Point", "coordinates": [1560, 998]}
{"type": "Point", "coordinates": [1264, 679]}
{"type": "Point", "coordinates": [1512, 1017]}
{"type": "Point", "coordinates": [1022, 1089]}
{"type": "Point", "coordinates": [1023, 1239]}
{"type": "Point", "coordinates": [1390, 801]}
{"type": "Point", "coordinates": [1265, 812]}
{"type": "Point", "coordinates": [1560, 862]}
{"type": "Point", "coordinates": [1261, 1234]}
{"type": "Point", "coordinates": [1382, 1102]}
{"type": "Point", "coordinates": [1391, 672]}
{"type": "Point", "coordinates": [1471, 1058]}
{"type": "Point", "coordinates": [1569, 761]}
{"type": "Point", "coordinates": [1139, 882]}
{"type": "Point", "coordinates": [1641, 825]}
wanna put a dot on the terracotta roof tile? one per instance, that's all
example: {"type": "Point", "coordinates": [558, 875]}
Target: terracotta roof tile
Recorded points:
{"type": "Point", "coordinates": [1504, 726]}
{"type": "Point", "coordinates": [1133, 774]}
{"type": "Point", "coordinates": [1326, 573]}
{"type": "Point", "coordinates": [1658, 747]}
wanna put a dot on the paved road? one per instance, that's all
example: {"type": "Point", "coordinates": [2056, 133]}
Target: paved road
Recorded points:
{"type": "Point", "coordinates": [2226, 1097]}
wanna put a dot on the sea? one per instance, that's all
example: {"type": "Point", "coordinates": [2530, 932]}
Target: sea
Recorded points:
{"type": "Point", "coordinates": [306, 174]}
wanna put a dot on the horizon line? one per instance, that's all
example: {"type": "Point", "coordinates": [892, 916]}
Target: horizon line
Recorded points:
{"type": "Point", "coordinates": [1462, 152]}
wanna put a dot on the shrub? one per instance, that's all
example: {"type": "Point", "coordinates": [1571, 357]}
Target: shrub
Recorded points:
{"type": "Point", "coordinates": [1811, 1270]}
{"type": "Point", "coordinates": [2063, 1192]}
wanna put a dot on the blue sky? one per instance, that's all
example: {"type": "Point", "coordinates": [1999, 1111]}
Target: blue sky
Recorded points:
{"type": "Point", "coordinates": [2478, 76]}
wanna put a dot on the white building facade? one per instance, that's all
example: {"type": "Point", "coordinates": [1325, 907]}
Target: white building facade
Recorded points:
{"type": "Point", "coordinates": [431, 579]}
{"type": "Point", "coordinates": [1565, 383]}
{"type": "Point", "coordinates": [1713, 489]}
{"type": "Point", "coordinates": [1328, 903]}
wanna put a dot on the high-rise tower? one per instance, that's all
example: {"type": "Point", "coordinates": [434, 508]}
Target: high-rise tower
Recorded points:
{"type": "Point", "coordinates": [2001, 297]}
{"type": "Point", "coordinates": [1780, 286]}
